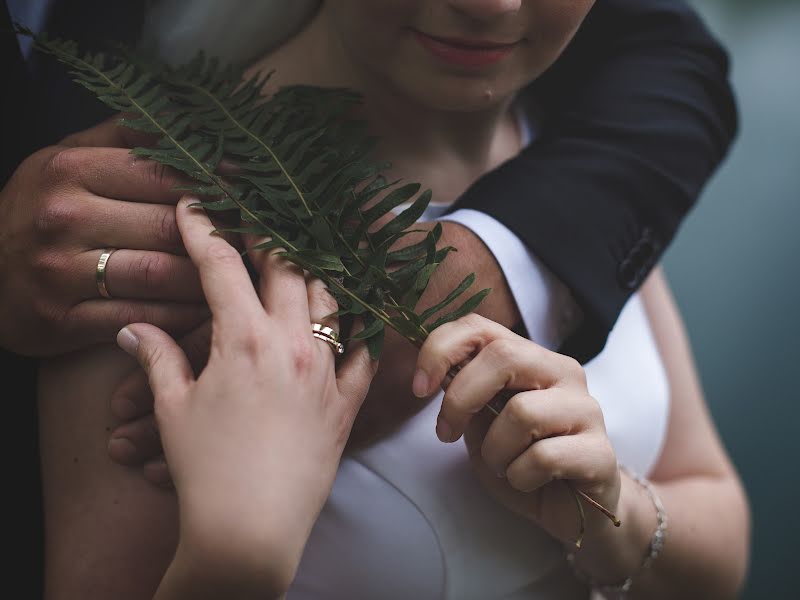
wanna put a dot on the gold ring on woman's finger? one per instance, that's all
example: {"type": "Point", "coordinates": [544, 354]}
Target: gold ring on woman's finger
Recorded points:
{"type": "Point", "coordinates": [326, 334]}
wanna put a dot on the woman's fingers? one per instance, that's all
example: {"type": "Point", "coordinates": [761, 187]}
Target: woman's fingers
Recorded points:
{"type": "Point", "coordinates": [580, 458]}
{"type": "Point", "coordinates": [450, 345]}
{"type": "Point", "coordinates": [281, 286]}
{"type": "Point", "coordinates": [168, 370]}
{"type": "Point", "coordinates": [226, 283]}
{"type": "Point", "coordinates": [355, 373]}
{"type": "Point", "coordinates": [533, 416]}
{"type": "Point", "coordinates": [504, 363]}
{"type": "Point", "coordinates": [133, 398]}
{"type": "Point", "coordinates": [135, 442]}
{"type": "Point", "coordinates": [321, 305]}
{"type": "Point", "coordinates": [157, 472]}
{"type": "Point", "coordinates": [356, 370]}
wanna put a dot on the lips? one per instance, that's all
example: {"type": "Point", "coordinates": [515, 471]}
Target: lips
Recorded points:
{"type": "Point", "coordinates": [472, 54]}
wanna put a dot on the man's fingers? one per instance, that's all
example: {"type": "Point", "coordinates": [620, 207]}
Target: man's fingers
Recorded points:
{"type": "Point", "coordinates": [98, 321]}
{"type": "Point", "coordinates": [95, 222]}
{"type": "Point", "coordinates": [110, 134]}
{"type": "Point", "coordinates": [117, 174]}
{"type": "Point", "coordinates": [135, 275]}
{"type": "Point", "coordinates": [133, 225]}
{"type": "Point", "coordinates": [133, 399]}
{"type": "Point", "coordinates": [224, 277]}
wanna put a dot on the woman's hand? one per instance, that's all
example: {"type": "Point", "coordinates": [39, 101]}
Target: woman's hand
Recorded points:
{"type": "Point", "coordinates": [551, 430]}
{"type": "Point", "coordinates": [254, 442]}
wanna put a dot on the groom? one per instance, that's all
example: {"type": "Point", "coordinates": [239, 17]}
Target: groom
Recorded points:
{"type": "Point", "coordinates": [639, 114]}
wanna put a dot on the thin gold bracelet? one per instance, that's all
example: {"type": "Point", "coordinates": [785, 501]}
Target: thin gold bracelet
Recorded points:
{"type": "Point", "coordinates": [620, 590]}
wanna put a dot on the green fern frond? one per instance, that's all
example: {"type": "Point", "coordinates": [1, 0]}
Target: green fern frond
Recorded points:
{"type": "Point", "coordinates": [297, 170]}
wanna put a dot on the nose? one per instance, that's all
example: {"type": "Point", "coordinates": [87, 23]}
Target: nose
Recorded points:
{"type": "Point", "coordinates": [485, 9]}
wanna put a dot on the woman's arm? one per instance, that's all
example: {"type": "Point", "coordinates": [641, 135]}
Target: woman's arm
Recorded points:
{"type": "Point", "coordinates": [556, 432]}
{"type": "Point", "coordinates": [108, 532]}
{"type": "Point", "coordinates": [706, 554]}
{"type": "Point", "coordinates": [707, 543]}
{"type": "Point", "coordinates": [253, 442]}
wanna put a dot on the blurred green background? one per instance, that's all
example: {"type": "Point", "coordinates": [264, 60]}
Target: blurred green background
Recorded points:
{"type": "Point", "coordinates": [734, 270]}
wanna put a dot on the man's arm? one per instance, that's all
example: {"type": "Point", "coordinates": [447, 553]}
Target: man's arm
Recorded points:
{"type": "Point", "coordinates": [638, 114]}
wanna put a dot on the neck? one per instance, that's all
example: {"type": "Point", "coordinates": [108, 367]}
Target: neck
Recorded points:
{"type": "Point", "coordinates": [422, 142]}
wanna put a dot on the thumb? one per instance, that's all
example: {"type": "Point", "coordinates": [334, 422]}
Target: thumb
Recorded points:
{"type": "Point", "coordinates": [168, 370]}
{"type": "Point", "coordinates": [133, 398]}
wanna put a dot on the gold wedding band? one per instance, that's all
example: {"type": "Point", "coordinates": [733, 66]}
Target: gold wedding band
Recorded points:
{"type": "Point", "coordinates": [326, 334]}
{"type": "Point", "coordinates": [100, 272]}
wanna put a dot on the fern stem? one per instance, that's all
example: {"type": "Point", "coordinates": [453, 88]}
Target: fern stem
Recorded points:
{"type": "Point", "coordinates": [255, 138]}
{"type": "Point", "coordinates": [268, 149]}
{"type": "Point", "coordinates": [64, 54]}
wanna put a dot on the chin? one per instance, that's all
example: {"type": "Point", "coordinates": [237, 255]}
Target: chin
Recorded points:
{"type": "Point", "coordinates": [460, 94]}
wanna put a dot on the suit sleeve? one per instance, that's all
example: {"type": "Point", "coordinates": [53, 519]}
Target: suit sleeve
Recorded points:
{"type": "Point", "coordinates": [638, 113]}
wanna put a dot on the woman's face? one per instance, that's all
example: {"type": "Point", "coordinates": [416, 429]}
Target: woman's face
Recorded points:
{"type": "Point", "coordinates": [456, 54]}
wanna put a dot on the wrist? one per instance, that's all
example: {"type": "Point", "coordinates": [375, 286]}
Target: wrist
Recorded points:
{"type": "Point", "coordinates": [244, 550]}
{"type": "Point", "coordinates": [610, 554]}
{"type": "Point", "coordinates": [200, 570]}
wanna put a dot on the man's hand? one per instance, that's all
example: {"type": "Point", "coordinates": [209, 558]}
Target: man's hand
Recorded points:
{"type": "Point", "coordinates": [61, 208]}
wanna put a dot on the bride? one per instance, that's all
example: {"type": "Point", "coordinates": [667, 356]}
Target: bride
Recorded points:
{"type": "Point", "coordinates": [407, 516]}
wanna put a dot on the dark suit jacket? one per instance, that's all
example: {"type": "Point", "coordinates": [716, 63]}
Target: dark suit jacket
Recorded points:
{"type": "Point", "coordinates": [639, 115]}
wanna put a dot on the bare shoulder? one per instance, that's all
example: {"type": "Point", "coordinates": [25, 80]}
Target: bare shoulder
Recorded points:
{"type": "Point", "coordinates": [107, 532]}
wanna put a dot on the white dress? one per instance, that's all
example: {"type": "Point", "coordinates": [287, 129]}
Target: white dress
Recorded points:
{"type": "Point", "coordinates": [407, 519]}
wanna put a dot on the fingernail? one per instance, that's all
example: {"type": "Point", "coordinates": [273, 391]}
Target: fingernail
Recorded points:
{"type": "Point", "coordinates": [443, 430]}
{"type": "Point", "coordinates": [128, 341]}
{"type": "Point", "coordinates": [420, 384]}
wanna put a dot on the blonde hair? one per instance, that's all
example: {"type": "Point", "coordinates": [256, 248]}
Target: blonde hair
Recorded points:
{"type": "Point", "coordinates": [234, 30]}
